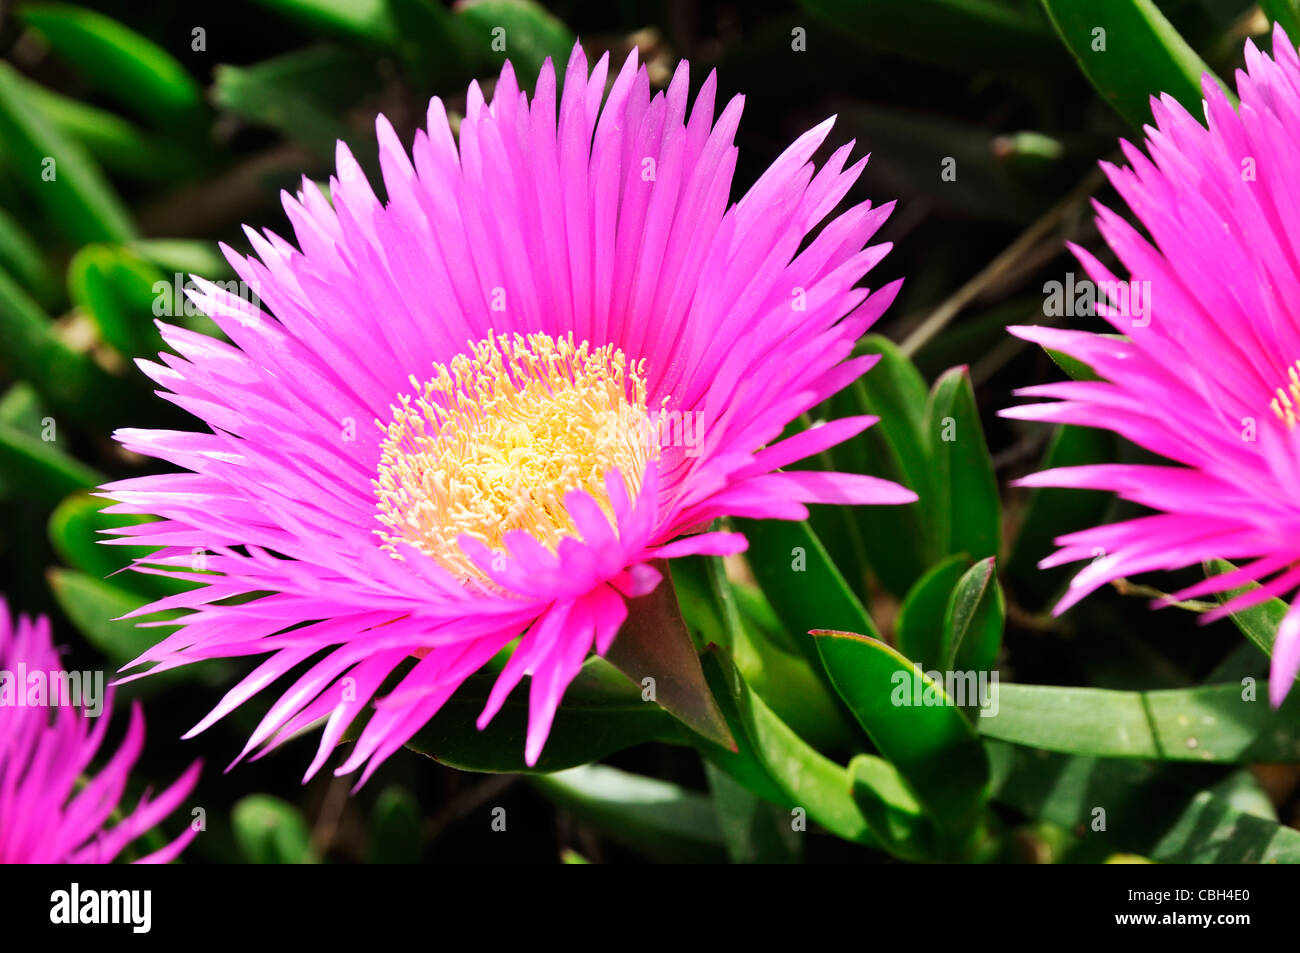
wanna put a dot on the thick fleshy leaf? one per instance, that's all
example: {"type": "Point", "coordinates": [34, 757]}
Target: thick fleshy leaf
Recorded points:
{"type": "Point", "coordinates": [802, 584]}
{"type": "Point", "coordinates": [654, 644]}
{"type": "Point", "coordinates": [972, 625]}
{"type": "Point", "coordinates": [914, 724]}
{"type": "Point", "coordinates": [1130, 52]}
{"type": "Point", "coordinates": [271, 831]}
{"type": "Point", "coordinates": [965, 507]}
{"type": "Point", "coordinates": [896, 817]}
{"type": "Point", "coordinates": [1224, 724]}
{"type": "Point", "coordinates": [602, 713]}
{"type": "Point", "coordinates": [918, 627]}
{"type": "Point", "coordinates": [662, 820]}
{"type": "Point", "coordinates": [804, 777]}
{"type": "Point", "coordinates": [22, 258]}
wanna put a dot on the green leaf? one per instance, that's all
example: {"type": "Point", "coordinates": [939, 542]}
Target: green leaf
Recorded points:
{"type": "Point", "coordinates": [965, 507]}
{"type": "Point", "coordinates": [896, 817]}
{"type": "Point", "coordinates": [437, 48]}
{"type": "Point", "coordinates": [112, 141]}
{"type": "Point", "coordinates": [1145, 811]}
{"type": "Point", "coordinates": [76, 532]}
{"type": "Point", "coordinates": [395, 828]}
{"type": "Point", "coordinates": [755, 831]}
{"type": "Point", "coordinates": [654, 644]}
{"type": "Point", "coordinates": [602, 713]}
{"type": "Point", "coordinates": [115, 289]}
{"type": "Point", "coordinates": [1285, 12]}
{"type": "Point", "coordinates": [271, 831]}
{"type": "Point", "coordinates": [1136, 55]}
{"type": "Point", "coordinates": [657, 818]}
{"type": "Point", "coordinates": [803, 777]}
{"type": "Point", "coordinates": [70, 381]}
{"type": "Point", "coordinates": [37, 470]}
{"type": "Point", "coordinates": [919, 625]}
{"type": "Point", "coordinates": [179, 255]}
{"type": "Point", "coordinates": [1052, 512]}
{"type": "Point", "coordinates": [899, 540]}
{"type": "Point", "coordinates": [914, 724]}
{"type": "Point", "coordinates": [56, 171]}
{"type": "Point", "coordinates": [531, 35]}
{"type": "Point", "coordinates": [1211, 723]}
{"type": "Point", "coordinates": [367, 20]}
{"type": "Point", "coordinates": [972, 625]}
{"type": "Point", "coordinates": [138, 73]}
{"type": "Point", "coordinates": [23, 258]}
{"type": "Point", "coordinates": [95, 607]}
{"type": "Point", "coordinates": [1258, 623]}
{"type": "Point", "coordinates": [803, 586]}
{"type": "Point", "coordinates": [970, 34]}
{"type": "Point", "coordinates": [299, 93]}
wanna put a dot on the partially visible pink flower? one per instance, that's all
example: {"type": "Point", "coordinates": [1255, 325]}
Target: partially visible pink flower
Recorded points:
{"type": "Point", "coordinates": [480, 410]}
{"type": "Point", "coordinates": [1207, 375]}
{"type": "Point", "coordinates": [52, 809]}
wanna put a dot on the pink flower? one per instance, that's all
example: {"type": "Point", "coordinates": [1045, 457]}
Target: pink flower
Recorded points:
{"type": "Point", "coordinates": [478, 411]}
{"type": "Point", "coordinates": [51, 809]}
{"type": "Point", "coordinates": [1207, 373]}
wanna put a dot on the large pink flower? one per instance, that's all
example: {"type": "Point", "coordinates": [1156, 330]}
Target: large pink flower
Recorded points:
{"type": "Point", "coordinates": [51, 809]}
{"type": "Point", "coordinates": [478, 411]}
{"type": "Point", "coordinates": [1207, 373]}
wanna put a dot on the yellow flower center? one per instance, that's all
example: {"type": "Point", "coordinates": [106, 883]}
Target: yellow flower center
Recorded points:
{"type": "Point", "coordinates": [495, 442]}
{"type": "Point", "coordinates": [1286, 401]}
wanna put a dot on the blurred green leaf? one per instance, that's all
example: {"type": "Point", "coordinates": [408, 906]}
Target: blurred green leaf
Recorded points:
{"type": "Point", "coordinates": [755, 831]}
{"type": "Point", "coordinates": [138, 73]}
{"type": "Point", "coordinates": [96, 606]}
{"type": "Point", "coordinates": [1130, 52]}
{"type": "Point", "coordinates": [116, 290]}
{"type": "Point", "coordinates": [38, 470]}
{"type": "Point", "coordinates": [271, 831]}
{"type": "Point", "coordinates": [1285, 12]}
{"type": "Point", "coordinates": [919, 625]}
{"type": "Point", "coordinates": [301, 94]}
{"type": "Point", "coordinates": [437, 48]}
{"type": "Point", "coordinates": [1212, 723]}
{"type": "Point", "coordinates": [657, 818]}
{"type": "Point", "coordinates": [113, 142]}
{"type": "Point", "coordinates": [395, 828]}
{"type": "Point", "coordinates": [528, 33]}
{"type": "Point", "coordinates": [56, 171]}
{"type": "Point", "coordinates": [955, 34]}
{"type": "Point", "coordinates": [367, 20]}
{"type": "Point", "coordinates": [915, 725]}
{"type": "Point", "coordinates": [972, 625]}
{"type": "Point", "coordinates": [24, 260]}
{"type": "Point", "coordinates": [965, 507]}
{"type": "Point", "coordinates": [1128, 806]}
